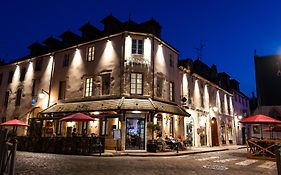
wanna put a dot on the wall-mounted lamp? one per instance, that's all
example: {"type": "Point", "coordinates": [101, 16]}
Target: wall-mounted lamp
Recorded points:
{"type": "Point", "coordinates": [215, 109]}
{"type": "Point", "coordinates": [42, 93]}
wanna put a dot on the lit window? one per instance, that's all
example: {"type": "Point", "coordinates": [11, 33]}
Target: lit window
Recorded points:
{"type": "Point", "coordinates": [22, 73]}
{"type": "Point", "coordinates": [136, 83]}
{"type": "Point", "coordinates": [105, 84]}
{"type": "Point", "coordinates": [137, 46]}
{"type": "Point", "coordinates": [91, 53]}
{"type": "Point", "coordinates": [65, 60]}
{"type": "Point", "coordinates": [171, 91]}
{"type": "Point", "coordinates": [88, 87]}
{"type": "Point", "coordinates": [18, 97]}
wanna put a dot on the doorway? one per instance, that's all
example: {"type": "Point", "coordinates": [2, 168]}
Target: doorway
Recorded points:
{"type": "Point", "coordinates": [135, 134]}
{"type": "Point", "coordinates": [214, 132]}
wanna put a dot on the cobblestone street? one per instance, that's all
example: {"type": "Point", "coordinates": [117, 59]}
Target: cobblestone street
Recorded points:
{"type": "Point", "coordinates": [225, 162]}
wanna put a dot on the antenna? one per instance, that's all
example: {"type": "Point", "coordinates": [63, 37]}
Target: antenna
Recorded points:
{"type": "Point", "coordinates": [199, 49]}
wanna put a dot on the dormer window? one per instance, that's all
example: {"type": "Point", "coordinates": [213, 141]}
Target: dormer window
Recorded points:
{"type": "Point", "coordinates": [91, 53]}
{"type": "Point", "coordinates": [137, 46]}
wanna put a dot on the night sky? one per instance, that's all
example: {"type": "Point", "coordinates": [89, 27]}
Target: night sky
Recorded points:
{"type": "Point", "coordinates": [229, 29]}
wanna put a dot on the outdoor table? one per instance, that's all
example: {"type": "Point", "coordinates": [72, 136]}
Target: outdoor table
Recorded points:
{"type": "Point", "coordinates": [262, 148]}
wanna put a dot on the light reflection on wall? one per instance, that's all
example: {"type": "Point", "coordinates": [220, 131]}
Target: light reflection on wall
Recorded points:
{"type": "Point", "coordinates": [28, 78]}
{"type": "Point", "coordinates": [206, 97]}
{"type": "Point", "coordinates": [128, 47]}
{"type": "Point", "coordinates": [160, 60]}
{"type": "Point", "coordinates": [45, 82]}
{"type": "Point", "coordinates": [15, 80]}
{"type": "Point", "coordinates": [147, 50]}
{"type": "Point", "coordinates": [218, 101]}
{"type": "Point", "coordinates": [225, 104]}
{"type": "Point", "coordinates": [75, 72]}
{"type": "Point", "coordinates": [185, 86]}
{"type": "Point", "coordinates": [230, 106]}
{"type": "Point", "coordinates": [196, 94]}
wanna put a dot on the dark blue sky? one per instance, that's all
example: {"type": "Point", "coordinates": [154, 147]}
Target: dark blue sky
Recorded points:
{"type": "Point", "coordinates": [230, 29]}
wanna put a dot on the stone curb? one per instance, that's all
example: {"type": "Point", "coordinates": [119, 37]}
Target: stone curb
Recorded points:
{"type": "Point", "coordinates": [161, 155]}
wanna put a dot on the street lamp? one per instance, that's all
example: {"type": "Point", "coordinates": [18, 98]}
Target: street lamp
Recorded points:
{"type": "Point", "coordinates": [42, 93]}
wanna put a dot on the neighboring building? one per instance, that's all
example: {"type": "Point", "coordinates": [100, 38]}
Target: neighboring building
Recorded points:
{"type": "Point", "coordinates": [208, 96]}
{"type": "Point", "coordinates": [268, 84]}
{"type": "Point", "coordinates": [124, 76]}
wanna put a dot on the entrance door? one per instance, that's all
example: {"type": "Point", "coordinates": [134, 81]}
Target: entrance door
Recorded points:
{"type": "Point", "coordinates": [214, 131]}
{"type": "Point", "coordinates": [243, 135]}
{"type": "Point", "coordinates": [135, 134]}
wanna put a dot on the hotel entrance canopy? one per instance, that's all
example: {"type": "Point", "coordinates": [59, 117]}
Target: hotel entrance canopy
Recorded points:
{"type": "Point", "coordinates": [116, 104]}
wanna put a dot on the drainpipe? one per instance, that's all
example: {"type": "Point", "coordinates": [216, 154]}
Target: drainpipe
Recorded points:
{"type": "Point", "coordinates": [152, 62]}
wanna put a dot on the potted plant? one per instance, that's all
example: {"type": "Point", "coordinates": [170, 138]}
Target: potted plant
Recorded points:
{"type": "Point", "coordinates": [151, 144]}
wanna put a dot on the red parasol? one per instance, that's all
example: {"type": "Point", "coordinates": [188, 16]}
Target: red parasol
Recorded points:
{"type": "Point", "coordinates": [260, 119]}
{"type": "Point", "coordinates": [14, 122]}
{"type": "Point", "coordinates": [77, 117]}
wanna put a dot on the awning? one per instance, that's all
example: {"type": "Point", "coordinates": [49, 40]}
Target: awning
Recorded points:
{"type": "Point", "coordinates": [116, 104]}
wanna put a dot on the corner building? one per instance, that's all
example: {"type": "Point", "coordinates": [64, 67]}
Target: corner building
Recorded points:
{"type": "Point", "coordinates": [124, 76]}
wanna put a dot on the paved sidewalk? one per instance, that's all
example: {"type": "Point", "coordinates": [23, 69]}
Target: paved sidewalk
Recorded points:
{"type": "Point", "coordinates": [192, 150]}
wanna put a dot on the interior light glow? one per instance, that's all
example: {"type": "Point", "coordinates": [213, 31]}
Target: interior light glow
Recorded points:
{"type": "Point", "coordinates": [96, 113]}
{"type": "Point", "coordinates": [136, 112]}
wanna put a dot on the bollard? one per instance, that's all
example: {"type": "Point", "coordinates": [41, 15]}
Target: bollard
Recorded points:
{"type": "Point", "coordinates": [13, 157]}
{"type": "Point", "coordinates": [177, 146]}
{"type": "Point", "coordinates": [277, 156]}
{"type": "Point", "coordinates": [100, 148]}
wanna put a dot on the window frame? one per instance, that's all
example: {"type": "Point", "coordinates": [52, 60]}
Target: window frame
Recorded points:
{"type": "Point", "coordinates": [22, 73]}
{"type": "Point", "coordinates": [88, 87]}
{"type": "Point", "coordinates": [171, 91]}
{"type": "Point", "coordinates": [135, 83]}
{"type": "Point", "coordinates": [65, 62]}
{"type": "Point", "coordinates": [104, 84]}
{"type": "Point", "coordinates": [137, 50]}
{"type": "Point", "coordinates": [10, 77]}
{"type": "Point", "coordinates": [62, 90]}
{"type": "Point", "coordinates": [18, 97]}
{"type": "Point", "coordinates": [91, 53]}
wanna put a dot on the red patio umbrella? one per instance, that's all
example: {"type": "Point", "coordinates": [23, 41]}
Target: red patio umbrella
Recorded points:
{"type": "Point", "coordinates": [14, 122]}
{"type": "Point", "coordinates": [77, 117]}
{"type": "Point", "coordinates": [260, 119]}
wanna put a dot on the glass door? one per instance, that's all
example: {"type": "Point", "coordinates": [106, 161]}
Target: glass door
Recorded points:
{"type": "Point", "coordinates": [135, 134]}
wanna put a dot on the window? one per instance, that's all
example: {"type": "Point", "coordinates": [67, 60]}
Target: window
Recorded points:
{"type": "Point", "coordinates": [1, 78]}
{"type": "Point", "coordinates": [90, 53]}
{"type": "Point", "coordinates": [6, 100]}
{"type": "Point", "coordinates": [171, 60]}
{"type": "Point", "coordinates": [33, 92]}
{"type": "Point", "coordinates": [38, 64]}
{"type": "Point", "coordinates": [22, 73]}
{"type": "Point", "coordinates": [18, 97]}
{"type": "Point", "coordinates": [88, 87]}
{"type": "Point", "coordinates": [159, 86]}
{"type": "Point", "coordinates": [62, 88]}
{"type": "Point", "coordinates": [171, 91]}
{"type": "Point", "coordinates": [137, 46]}
{"type": "Point", "coordinates": [65, 60]}
{"type": "Point", "coordinates": [103, 128]}
{"type": "Point", "coordinates": [10, 78]}
{"type": "Point", "coordinates": [106, 84]}
{"type": "Point", "coordinates": [136, 83]}
{"type": "Point", "coordinates": [172, 126]}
